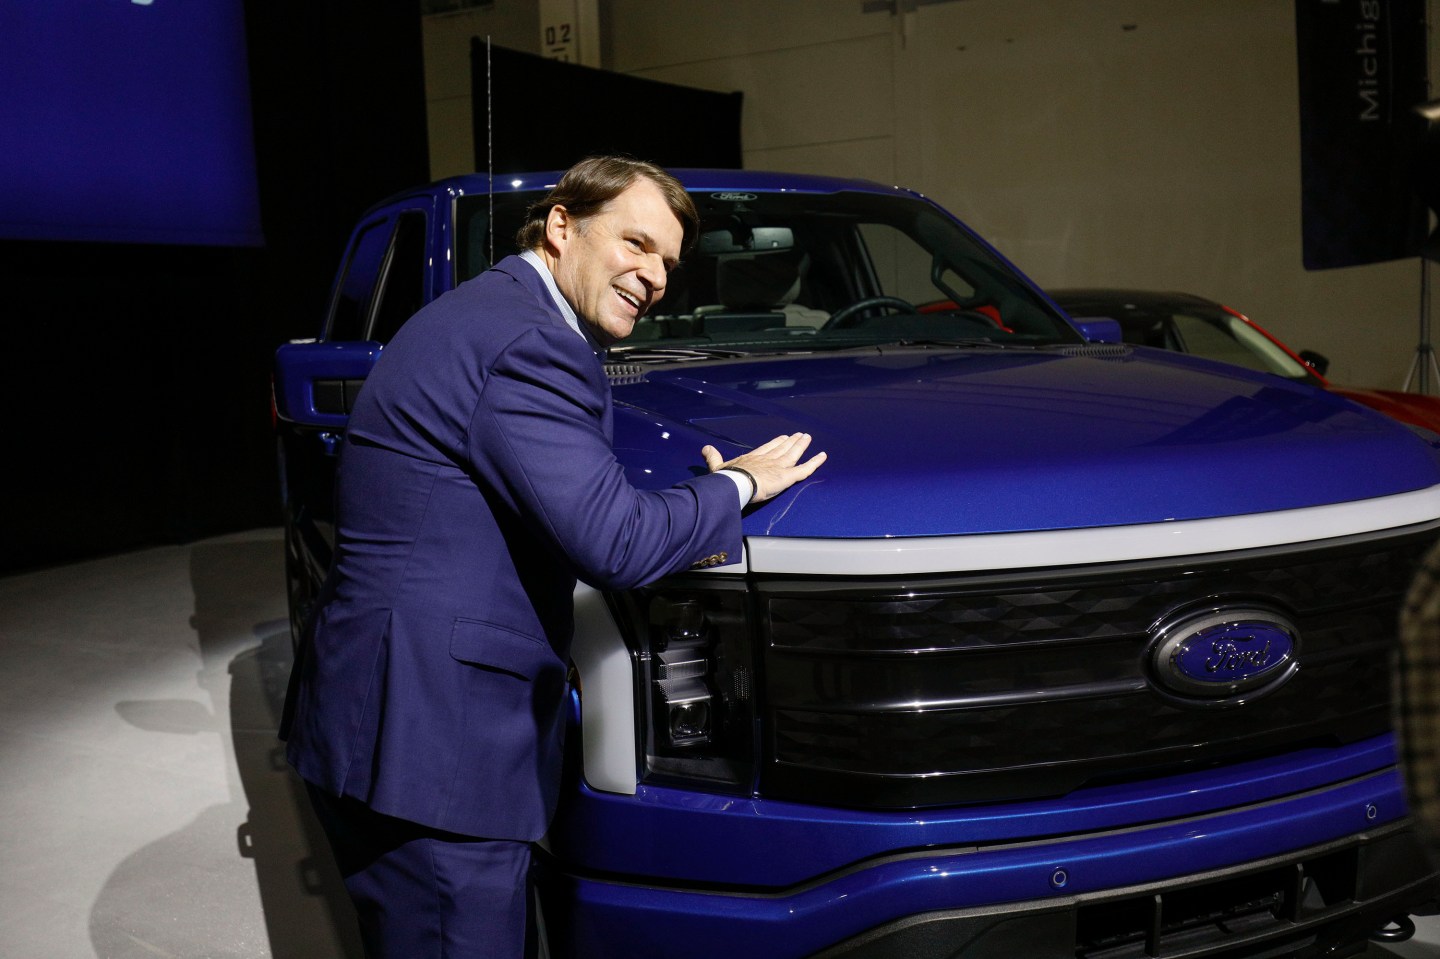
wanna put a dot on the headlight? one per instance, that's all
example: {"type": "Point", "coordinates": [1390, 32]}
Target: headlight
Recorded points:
{"type": "Point", "coordinates": [694, 662]}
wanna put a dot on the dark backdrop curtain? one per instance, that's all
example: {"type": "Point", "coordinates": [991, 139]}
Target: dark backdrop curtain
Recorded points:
{"type": "Point", "coordinates": [137, 385]}
{"type": "Point", "coordinates": [546, 114]}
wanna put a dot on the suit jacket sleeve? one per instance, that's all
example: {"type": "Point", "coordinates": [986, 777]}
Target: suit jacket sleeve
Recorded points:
{"type": "Point", "coordinates": [538, 436]}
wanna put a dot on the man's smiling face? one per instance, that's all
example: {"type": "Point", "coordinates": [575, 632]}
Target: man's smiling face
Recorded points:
{"type": "Point", "coordinates": [611, 267]}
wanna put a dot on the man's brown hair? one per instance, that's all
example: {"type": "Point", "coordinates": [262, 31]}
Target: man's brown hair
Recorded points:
{"type": "Point", "coordinates": [595, 181]}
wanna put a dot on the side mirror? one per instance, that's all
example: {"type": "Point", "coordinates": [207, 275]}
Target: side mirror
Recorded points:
{"type": "Point", "coordinates": [1316, 361]}
{"type": "Point", "coordinates": [1098, 329]}
{"type": "Point", "coordinates": [316, 383]}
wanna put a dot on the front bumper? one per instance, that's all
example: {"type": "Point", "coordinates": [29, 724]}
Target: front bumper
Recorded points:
{"type": "Point", "coordinates": [1311, 872]}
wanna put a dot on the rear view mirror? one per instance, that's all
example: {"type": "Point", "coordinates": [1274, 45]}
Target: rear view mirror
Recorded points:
{"type": "Point", "coordinates": [744, 239]}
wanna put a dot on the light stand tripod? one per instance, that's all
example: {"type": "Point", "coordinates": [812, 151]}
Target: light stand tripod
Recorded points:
{"type": "Point", "coordinates": [1424, 363]}
{"type": "Point", "coordinates": [1425, 119]}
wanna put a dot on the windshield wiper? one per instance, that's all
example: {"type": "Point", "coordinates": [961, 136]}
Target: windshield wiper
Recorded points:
{"type": "Point", "coordinates": [639, 353]}
{"type": "Point", "coordinates": [976, 343]}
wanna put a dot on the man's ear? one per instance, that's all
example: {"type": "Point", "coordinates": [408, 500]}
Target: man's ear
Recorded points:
{"type": "Point", "coordinates": [558, 227]}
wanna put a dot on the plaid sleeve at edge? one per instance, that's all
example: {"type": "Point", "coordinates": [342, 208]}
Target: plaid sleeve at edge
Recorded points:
{"type": "Point", "coordinates": [1417, 697]}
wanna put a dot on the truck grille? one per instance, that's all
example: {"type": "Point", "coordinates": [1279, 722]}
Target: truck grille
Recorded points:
{"type": "Point", "coordinates": [927, 691]}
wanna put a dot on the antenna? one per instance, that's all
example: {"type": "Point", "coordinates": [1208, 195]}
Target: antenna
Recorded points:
{"type": "Point", "coordinates": [490, 150]}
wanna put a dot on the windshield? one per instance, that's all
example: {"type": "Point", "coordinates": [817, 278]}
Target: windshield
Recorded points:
{"type": "Point", "coordinates": [783, 272]}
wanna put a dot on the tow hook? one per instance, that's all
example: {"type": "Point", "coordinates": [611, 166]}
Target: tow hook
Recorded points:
{"type": "Point", "coordinates": [1396, 930]}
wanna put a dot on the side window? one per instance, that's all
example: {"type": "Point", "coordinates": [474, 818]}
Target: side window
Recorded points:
{"type": "Point", "coordinates": [367, 254]}
{"type": "Point", "coordinates": [403, 289]}
{"type": "Point", "coordinates": [902, 266]}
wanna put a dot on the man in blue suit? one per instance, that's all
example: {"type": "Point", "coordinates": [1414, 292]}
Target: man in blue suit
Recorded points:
{"type": "Point", "coordinates": [476, 484]}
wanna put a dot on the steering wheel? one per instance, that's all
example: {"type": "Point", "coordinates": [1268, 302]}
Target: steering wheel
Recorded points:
{"type": "Point", "coordinates": [844, 316]}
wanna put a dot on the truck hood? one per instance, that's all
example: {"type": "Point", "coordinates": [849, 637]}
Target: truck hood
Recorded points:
{"type": "Point", "coordinates": [926, 442]}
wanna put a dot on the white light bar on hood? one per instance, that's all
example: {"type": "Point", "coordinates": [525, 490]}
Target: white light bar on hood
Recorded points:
{"type": "Point", "coordinates": [1073, 547]}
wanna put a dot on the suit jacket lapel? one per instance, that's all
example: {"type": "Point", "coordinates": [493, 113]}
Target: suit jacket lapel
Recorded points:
{"type": "Point", "coordinates": [530, 279]}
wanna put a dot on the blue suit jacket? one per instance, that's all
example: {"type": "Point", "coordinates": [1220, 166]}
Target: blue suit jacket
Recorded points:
{"type": "Point", "coordinates": [476, 483]}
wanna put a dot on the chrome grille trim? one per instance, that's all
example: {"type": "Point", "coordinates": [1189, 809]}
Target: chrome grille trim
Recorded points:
{"type": "Point", "coordinates": [926, 690]}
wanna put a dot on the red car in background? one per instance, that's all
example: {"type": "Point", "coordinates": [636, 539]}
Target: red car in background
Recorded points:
{"type": "Point", "coordinates": [1192, 324]}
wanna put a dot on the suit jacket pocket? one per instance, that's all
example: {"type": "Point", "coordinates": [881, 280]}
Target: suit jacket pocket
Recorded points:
{"type": "Point", "coordinates": [496, 647]}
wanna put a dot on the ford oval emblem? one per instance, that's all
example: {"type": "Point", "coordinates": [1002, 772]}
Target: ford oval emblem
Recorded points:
{"type": "Point", "coordinates": [733, 197]}
{"type": "Point", "coordinates": [1221, 653]}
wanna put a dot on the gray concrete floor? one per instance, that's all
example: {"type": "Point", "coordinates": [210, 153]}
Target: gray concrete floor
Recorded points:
{"type": "Point", "coordinates": [145, 808]}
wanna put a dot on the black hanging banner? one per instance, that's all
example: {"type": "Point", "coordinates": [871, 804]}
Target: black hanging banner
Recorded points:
{"type": "Point", "coordinates": [546, 114]}
{"type": "Point", "coordinates": [1362, 69]}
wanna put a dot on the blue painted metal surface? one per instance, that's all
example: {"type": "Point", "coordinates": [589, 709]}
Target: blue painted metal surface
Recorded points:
{"type": "Point", "coordinates": [621, 919]}
{"type": "Point", "coordinates": [703, 838]}
{"type": "Point", "coordinates": [299, 365]}
{"type": "Point", "coordinates": [693, 178]}
{"type": "Point", "coordinates": [966, 441]}
{"type": "Point", "coordinates": [1067, 441]}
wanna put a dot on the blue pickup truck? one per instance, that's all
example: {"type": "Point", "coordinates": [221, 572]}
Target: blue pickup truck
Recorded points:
{"type": "Point", "coordinates": [1072, 649]}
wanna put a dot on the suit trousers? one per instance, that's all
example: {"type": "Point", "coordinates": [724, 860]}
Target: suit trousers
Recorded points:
{"type": "Point", "coordinates": [422, 893]}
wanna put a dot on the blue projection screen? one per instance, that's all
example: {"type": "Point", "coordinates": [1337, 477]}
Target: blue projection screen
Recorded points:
{"type": "Point", "coordinates": [126, 121]}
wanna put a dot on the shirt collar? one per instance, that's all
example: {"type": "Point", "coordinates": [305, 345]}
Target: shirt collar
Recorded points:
{"type": "Point", "coordinates": [533, 258]}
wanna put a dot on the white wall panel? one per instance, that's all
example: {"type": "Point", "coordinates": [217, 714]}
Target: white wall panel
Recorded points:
{"type": "Point", "coordinates": [868, 158]}
{"type": "Point", "coordinates": [1141, 143]}
{"type": "Point", "coordinates": [646, 34]}
{"type": "Point", "coordinates": [821, 94]}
